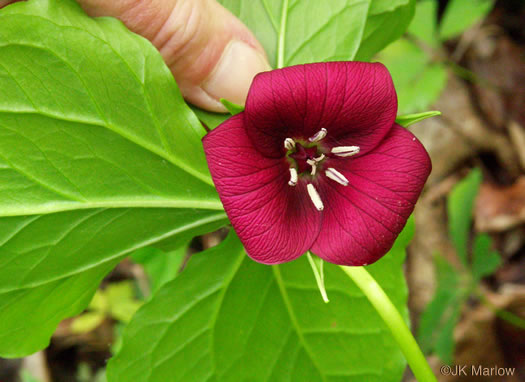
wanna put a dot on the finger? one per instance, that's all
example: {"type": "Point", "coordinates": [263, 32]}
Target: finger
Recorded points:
{"type": "Point", "coordinates": [211, 54]}
{"type": "Point", "coordinates": [3, 3]}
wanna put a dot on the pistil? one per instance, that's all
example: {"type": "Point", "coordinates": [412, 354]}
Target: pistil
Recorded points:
{"type": "Point", "coordinates": [305, 156]}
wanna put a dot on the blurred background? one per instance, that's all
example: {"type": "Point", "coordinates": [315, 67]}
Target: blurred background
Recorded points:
{"type": "Point", "coordinates": [466, 264]}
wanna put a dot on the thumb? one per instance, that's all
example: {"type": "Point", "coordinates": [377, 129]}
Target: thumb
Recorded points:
{"type": "Point", "coordinates": [211, 54]}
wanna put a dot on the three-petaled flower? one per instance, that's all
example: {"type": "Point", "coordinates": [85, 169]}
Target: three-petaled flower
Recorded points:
{"type": "Point", "coordinates": [316, 162]}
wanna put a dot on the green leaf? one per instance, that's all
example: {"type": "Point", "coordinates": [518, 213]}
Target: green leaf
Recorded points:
{"type": "Point", "coordinates": [461, 14]}
{"type": "Point", "coordinates": [122, 301]}
{"type": "Point", "coordinates": [445, 344]}
{"type": "Point", "coordinates": [209, 119]}
{"type": "Point", "coordinates": [86, 322]}
{"type": "Point", "coordinates": [95, 141]}
{"type": "Point", "coordinates": [437, 322]}
{"type": "Point", "coordinates": [424, 23]}
{"type": "Point", "coordinates": [160, 266]}
{"type": "Point", "coordinates": [228, 318]}
{"type": "Point", "coordinates": [387, 21]}
{"type": "Point", "coordinates": [315, 30]}
{"type": "Point", "coordinates": [484, 260]}
{"type": "Point", "coordinates": [382, 6]}
{"type": "Point", "coordinates": [418, 81]}
{"type": "Point", "coordinates": [233, 108]}
{"type": "Point", "coordinates": [50, 265]}
{"type": "Point", "coordinates": [28, 377]}
{"type": "Point", "coordinates": [459, 207]}
{"type": "Point", "coordinates": [410, 119]}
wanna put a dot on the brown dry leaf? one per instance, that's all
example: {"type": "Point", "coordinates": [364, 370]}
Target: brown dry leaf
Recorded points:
{"type": "Point", "coordinates": [517, 137]}
{"type": "Point", "coordinates": [97, 339]}
{"type": "Point", "coordinates": [459, 134]}
{"type": "Point", "coordinates": [499, 208]}
{"type": "Point", "coordinates": [500, 65]}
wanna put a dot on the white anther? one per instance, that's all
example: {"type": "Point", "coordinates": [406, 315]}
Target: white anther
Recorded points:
{"type": "Point", "coordinates": [318, 136]}
{"type": "Point", "coordinates": [293, 177]}
{"type": "Point", "coordinates": [335, 175]}
{"type": "Point", "coordinates": [316, 199]}
{"type": "Point", "coordinates": [314, 169]}
{"type": "Point", "coordinates": [289, 143]}
{"type": "Point", "coordinates": [345, 151]}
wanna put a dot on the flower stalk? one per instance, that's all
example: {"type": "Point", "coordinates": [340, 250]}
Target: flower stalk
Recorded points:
{"type": "Point", "coordinates": [393, 320]}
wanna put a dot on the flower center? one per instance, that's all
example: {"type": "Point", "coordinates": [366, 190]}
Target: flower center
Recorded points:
{"type": "Point", "coordinates": [306, 160]}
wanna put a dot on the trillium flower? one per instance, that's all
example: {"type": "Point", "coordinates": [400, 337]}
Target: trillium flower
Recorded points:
{"type": "Point", "coordinates": [316, 162]}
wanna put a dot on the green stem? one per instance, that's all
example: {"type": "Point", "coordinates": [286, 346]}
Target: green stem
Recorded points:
{"type": "Point", "coordinates": [319, 276]}
{"type": "Point", "coordinates": [393, 320]}
{"type": "Point", "coordinates": [282, 34]}
{"type": "Point", "coordinates": [501, 313]}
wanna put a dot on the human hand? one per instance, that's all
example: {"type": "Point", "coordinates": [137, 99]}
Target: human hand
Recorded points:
{"type": "Point", "coordinates": [211, 53]}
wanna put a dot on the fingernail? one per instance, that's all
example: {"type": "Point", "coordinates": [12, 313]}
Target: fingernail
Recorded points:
{"type": "Point", "coordinates": [234, 72]}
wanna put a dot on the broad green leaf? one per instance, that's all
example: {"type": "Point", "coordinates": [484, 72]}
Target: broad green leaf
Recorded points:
{"type": "Point", "coordinates": [410, 119]}
{"type": "Point", "coordinates": [160, 266]}
{"type": "Point", "coordinates": [228, 318]}
{"type": "Point", "coordinates": [459, 207]}
{"type": "Point", "coordinates": [418, 81]}
{"type": "Point", "coordinates": [121, 83]}
{"type": "Point", "coordinates": [484, 260]}
{"type": "Point", "coordinates": [314, 30]}
{"type": "Point", "coordinates": [99, 156]}
{"type": "Point", "coordinates": [461, 14]}
{"type": "Point", "coordinates": [440, 315]}
{"type": "Point", "coordinates": [51, 265]}
{"type": "Point", "coordinates": [386, 22]}
{"type": "Point", "coordinates": [424, 23]}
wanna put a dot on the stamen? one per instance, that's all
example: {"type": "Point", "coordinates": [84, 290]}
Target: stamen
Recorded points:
{"type": "Point", "coordinates": [316, 199]}
{"type": "Point", "coordinates": [311, 162]}
{"type": "Point", "coordinates": [335, 175]}
{"type": "Point", "coordinates": [318, 136]}
{"type": "Point", "coordinates": [319, 158]}
{"type": "Point", "coordinates": [314, 169]}
{"type": "Point", "coordinates": [289, 143]}
{"type": "Point", "coordinates": [293, 177]}
{"type": "Point", "coordinates": [345, 151]}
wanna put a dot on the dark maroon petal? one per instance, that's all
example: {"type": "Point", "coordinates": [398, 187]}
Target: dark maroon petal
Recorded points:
{"type": "Point", "coordinates": [275, 222]}
{"type": "Point", "coordinates": [362, 220]}
{"type": "Point", "coordinates": [354, 101]}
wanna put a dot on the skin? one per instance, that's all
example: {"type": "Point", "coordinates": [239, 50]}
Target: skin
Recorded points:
{"type": "Point", "coordinates": [211, 53]}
